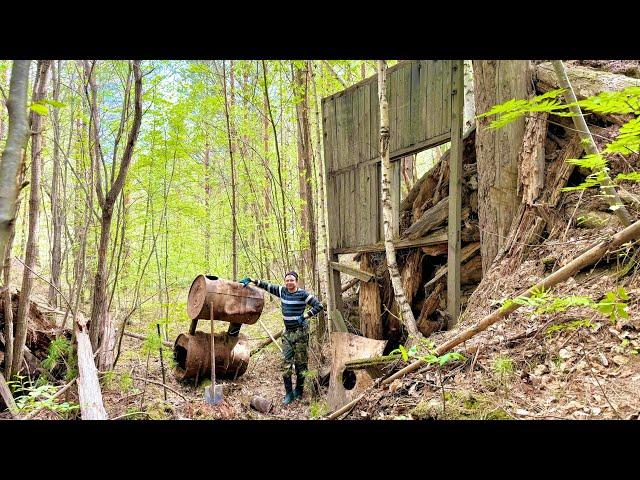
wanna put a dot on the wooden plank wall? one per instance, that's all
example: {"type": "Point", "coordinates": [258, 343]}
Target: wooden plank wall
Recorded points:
{"type": "Point", "coordinates": [419, 95]}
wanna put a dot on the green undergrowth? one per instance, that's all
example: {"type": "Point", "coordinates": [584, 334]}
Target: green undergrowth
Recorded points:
{"type": "Point", "coordinates": [460, 405]}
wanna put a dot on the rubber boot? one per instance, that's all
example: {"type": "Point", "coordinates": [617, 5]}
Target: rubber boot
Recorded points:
{"type": "Point", "coordinates": [288, 388]}
{"type": "Point", "coordinates": [297, 393]}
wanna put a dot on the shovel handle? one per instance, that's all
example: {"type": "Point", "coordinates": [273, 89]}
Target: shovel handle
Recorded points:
{"type": "Point", "coordinates": [213, 352]}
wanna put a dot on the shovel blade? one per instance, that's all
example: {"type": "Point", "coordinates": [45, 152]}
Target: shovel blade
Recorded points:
{"type": "Point", "coordinates": [213, 394]}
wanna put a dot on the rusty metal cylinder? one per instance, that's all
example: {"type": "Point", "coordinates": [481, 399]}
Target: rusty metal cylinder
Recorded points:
{"type": "Point", "coordinates": [261, 404]}
{"type": "Point", "coordinates": [232, 302]}
{"type": "Point", "coordinates": [192, 354]}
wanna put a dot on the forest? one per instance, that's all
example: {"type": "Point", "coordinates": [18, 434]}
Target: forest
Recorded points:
{"type": "Point", "coordinates": [465, 234]}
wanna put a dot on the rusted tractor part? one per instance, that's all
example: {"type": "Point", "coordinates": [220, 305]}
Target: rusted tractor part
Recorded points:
{"type": "Point", "coordinates": [261, 404]}
{"type": "Point", "coordinates": [232, 302]}
{"type": "Point", "coordinates": [192, 354]}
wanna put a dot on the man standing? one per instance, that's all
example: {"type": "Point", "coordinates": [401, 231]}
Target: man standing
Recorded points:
{"type": "Point", "coordinates": [295, 340]}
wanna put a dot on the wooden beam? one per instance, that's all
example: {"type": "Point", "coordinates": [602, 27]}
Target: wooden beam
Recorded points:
{"type": "Point", "coordinates": [437, 237]}
{"type": "Point", "coordinates": [465, 253]}
{"type": "Point", "coordinates": [354, 272]}
{"type": "Point", "coordinates": [455, 192]}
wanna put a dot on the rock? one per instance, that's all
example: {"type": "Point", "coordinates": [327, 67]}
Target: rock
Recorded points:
{"type": "Point", "coordinates": [573, 405]}
{"type": "Point", "coordinates": [541, 370]}
{"type": "Point", "coordinates": [596, 410]}
{"type": "Point", "coordinates": [522, 411]}
{"type": "Point", "coordinates": [565, 353]}
{"type": "Point", "coordinates": [620, 360]}
{"type": "Point", "coordinates": [603, 359]}
{"type": "Point", "coordinates": [582, 366]}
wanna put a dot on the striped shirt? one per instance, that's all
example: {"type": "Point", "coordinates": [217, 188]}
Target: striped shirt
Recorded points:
{"type": "Point", "coordinates": [293, 304]}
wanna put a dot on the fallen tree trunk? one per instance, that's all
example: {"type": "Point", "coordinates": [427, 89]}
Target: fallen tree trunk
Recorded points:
{"type": "Point", "coordinates": [266, 342]}
{"type": "Point", "coordinates": [597, 251]}
{"type": "Point", "coordinates": [586, 82]}
{"type": "Point", "coordinates": [91, 406]}
{"type": "Point", "coordinates": [429, 220]}
{"type": "Point", "coordinates": [142, 337]}
{"type": "Point", "coordinates": [5, 393]}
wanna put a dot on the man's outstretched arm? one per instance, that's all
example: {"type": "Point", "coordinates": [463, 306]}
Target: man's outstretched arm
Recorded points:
{"type": "Point", "coordinates": [269, 287]}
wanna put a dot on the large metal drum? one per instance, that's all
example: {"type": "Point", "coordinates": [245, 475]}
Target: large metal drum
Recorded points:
{"type": "Point", "coordinates": [232, 302]}
{"type": "Point", "coordinates": [192, 354]}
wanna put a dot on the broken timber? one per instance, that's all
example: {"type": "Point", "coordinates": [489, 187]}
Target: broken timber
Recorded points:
{"type": "Point", "coordinates": [91, 406]}
{"type": "Point", "coordinates": [354, 272]}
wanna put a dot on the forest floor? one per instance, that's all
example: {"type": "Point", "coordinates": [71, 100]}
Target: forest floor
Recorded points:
{"type": "Point", "coordinates": [123, 391]}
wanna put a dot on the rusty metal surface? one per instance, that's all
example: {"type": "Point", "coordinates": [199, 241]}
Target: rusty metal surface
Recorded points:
{"type": "Point", "coordinates": [261, 404]}
{"type": "Point", "coordinates": [192, 354]}
{"type": "Point", "coordinates": [231, 301]}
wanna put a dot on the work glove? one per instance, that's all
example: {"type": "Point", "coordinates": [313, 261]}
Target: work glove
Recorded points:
{"type": "Point", "coordinates": [246, 281]}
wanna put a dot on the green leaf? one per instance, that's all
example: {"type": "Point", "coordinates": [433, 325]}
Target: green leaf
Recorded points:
{"type": "Point", "coordinates": [39, 108]}
{"type": "Point", "coordinates": [54, 103]}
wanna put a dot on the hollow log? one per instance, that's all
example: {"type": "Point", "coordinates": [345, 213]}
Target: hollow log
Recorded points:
{"type": "Point", "coordinates": [192, 354]}
{"type": "Point", "coordinates": [344, 386]}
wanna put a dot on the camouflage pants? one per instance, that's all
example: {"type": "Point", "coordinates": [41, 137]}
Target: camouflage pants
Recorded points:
{"type": "Point", "coordinates": [294, 351]}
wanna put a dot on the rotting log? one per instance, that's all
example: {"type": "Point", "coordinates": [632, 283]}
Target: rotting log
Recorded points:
{"type": "Point", "coordinates": [351, 283]}
{"type": "Point", "coordinates": [532, 159]}
{"type": "Point", "coordinates": [426, 326]}
{"type": "Point", "coordinates": [466, 252]}
{"type": "Point", "coordinates": [369, 304]}
{"type": "Point", "coordinates": [266, 342]}
{"type": "Point", "coordinates": [346, 346]}
{"type": "Point", "coordinates": [192, 354]}
{"type": "Point", "coordinates": [579, 122]}
{"type": "Point", "coordinates": [586, 82]}
{"type": "Point", "coordinates": [91, 406]}
{"type": "Point", "coordinates": [363, 363]}
{"type": "Point", "coordinates": [593, 254]}
{"type": "Point", "coordinates": [5, 393]}
{"type": "Point", "coordinates": [430, 219]}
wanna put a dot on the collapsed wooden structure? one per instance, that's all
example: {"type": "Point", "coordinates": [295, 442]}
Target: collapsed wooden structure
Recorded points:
{"type": "Point", "coordinates": [425, 110]}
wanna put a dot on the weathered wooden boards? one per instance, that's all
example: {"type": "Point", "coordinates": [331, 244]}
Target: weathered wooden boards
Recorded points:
{"type": "Point", "coordinates": [344, 387]}
{"type": "Point", "coordinates": [419, 116]}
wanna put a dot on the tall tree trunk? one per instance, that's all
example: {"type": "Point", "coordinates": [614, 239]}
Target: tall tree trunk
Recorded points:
{"type": "Point", "coordinates": [305, 168]}
{"type": "Point", "coordinates": [469, 111]}
{"type": "Point", "coordinates": [12, 156]}
{"type": "Point", "coordinates": [107, 202]}
{"type": "Point", "coordinates": [56, 211]}
{"type": "Point", "coordinates": [405, 309]}
{"type": "Point", "coordinates": [230, 137]}
{"type": "Point", "coordinates": [284, 230]}
{"type": "Point", "coordinates": [35, 121]}
{"type": "Point", "coordinates": [207, 203]}
{"type": "Point", "coordinates": [497, 151]}
{"type": "Point", "coordinates": [11, 164]}
{"type": "Point", "coordinates": [322, 230]}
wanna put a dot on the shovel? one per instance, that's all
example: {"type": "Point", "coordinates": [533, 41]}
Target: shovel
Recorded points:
{"type": "Point", "coordinates": [213, 394]}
